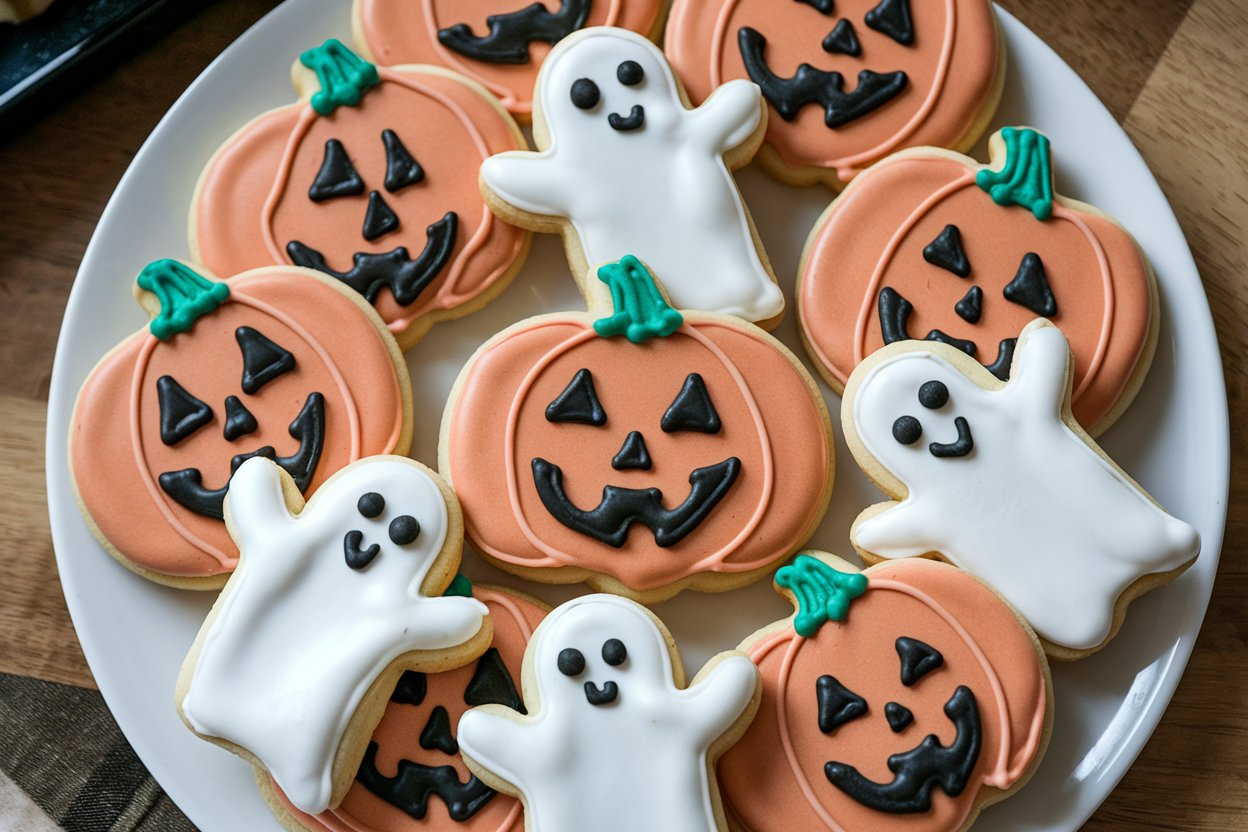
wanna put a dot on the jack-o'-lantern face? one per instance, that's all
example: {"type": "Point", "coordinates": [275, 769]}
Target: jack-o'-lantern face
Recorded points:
{"type": "Point", "coordinates": [897, 698]}
{"type": "Point", "coordinates": [646, 461]}
{"type": "Point", "coordinates": [848, 81]}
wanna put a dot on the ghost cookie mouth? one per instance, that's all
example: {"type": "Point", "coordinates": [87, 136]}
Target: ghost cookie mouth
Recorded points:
{"type": "Point", "coordinates": [635, 120]}
{"type": "Point", "coordinates": [964, 444]}
{"type": "Point", "coordinates": [605, 695]}
{"type": "Point", "coordinates": [610, 520]}
{"type": "Point", "coordinates": [919, 770]}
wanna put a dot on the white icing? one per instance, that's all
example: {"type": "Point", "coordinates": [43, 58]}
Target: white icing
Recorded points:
{"type": "Point", "coordinates": [637, 763]}
{"type": "Point", "coordinates": [661, 193]}
{"type": "Point", "coordinates": [299, 636]}
{"type": "Point", "coordinates": [1033, 510]}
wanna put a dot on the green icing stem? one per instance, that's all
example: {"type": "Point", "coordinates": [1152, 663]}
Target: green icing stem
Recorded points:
{"type": "Point", "coordinates": [1026, 178]}
{"type": "Point", "coordinates": [823, 593]}
{"type": "Point", "coordinates": [342, 74]}
{"type": "Point", "coordinates": [461, 587]}
{"type": "Point", "coordinates": [640, 311]}
{"type": "Point", "coordinates": [183, 294]}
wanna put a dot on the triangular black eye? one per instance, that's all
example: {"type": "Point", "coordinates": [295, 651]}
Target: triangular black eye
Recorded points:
{"type": "Point", "coordinates": [379, 220]}
{"type": "Point", "coordinates": [837, 704]}
{"type": "Point", "coordinates": [917, 659]}
{"type": "Point", "coordinates": [238, 419]}
{"type": "Point", "coordinates": [971, 306]}
{"type": "Point", "coordinates": [578, 403]}
{"type": "Point", "coordinates": [263, 360]}
{"type": "Point", "coordinates": [946, 251]}
{"type": "Point", "coordinates": [492, 684]}
{"type": "Point", "coordinates": [402, 169]}
{"type": "Point", "coordinates": [691, 409]}
{"type": "Point", "coordinates": [411, 688]}
{"type": "Point", "coordinates": [1030, 287]}
{"type": "Point", "coordinates": [892, 17]}
{"type": "Point", "coordinates": [181, 414]}
{"type": "Point", "coordinates": [436, 735]}
{"type": "Point", "coordinates": [337, 176]}
{"type": "Point", "coordinates": [842, 40]}
{"type": "Point", "coordinates": [899, 717]}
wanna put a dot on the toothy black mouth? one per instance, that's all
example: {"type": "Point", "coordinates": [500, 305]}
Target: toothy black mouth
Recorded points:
{"type": "Point", "coordinates": [406, 277]}
{"type": "Point", "coordinates": [923, 767]}
{"type": "Point", "coordinates": [410, 788]}
{"type": "Point", "coordinates": [186, 486]}
{"type": "Point", "coordinates": [635, 119]}
{"type": "Point", "coordinates": [605, 695]}
{"type": "Point", "coordinates": [961, 447]}
{"type": "Point", "coordinates": [511, 33]}
{"type": "Point", "coordinates": [894, 311]}
{"type": "Point", "coordinates": [609, 521]}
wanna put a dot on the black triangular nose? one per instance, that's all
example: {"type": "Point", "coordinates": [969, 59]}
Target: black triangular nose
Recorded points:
{"type": "Point", "coordinates": [633, 454]}
{"type": "Point", "coordinates": [379, 220]}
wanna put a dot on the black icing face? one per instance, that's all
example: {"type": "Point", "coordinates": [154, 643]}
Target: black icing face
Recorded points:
{"type": "Point", "coordinates": [403, 531]}
{"type": "Point", "coordinates": [182, 415]}
{"type": "Point", "coordinates": [826, 88]}
{"type": "Point", "coordinates": [572, 664]}
{"type": "Point", "coordinates": [409, 790]}
{"type": "Point", "coordinates": [609, 522]}
{"type": "Point", "coordinates": [339, 186]}
{"type": "Point", "coordinates": [907, 430]}
{"type": "Point", "coordinates": [586, 95]}
{"type": "Point", "coordinates": [919, 770]}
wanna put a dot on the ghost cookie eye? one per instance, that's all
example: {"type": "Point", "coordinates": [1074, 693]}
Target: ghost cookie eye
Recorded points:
{"type": "Point", "coordinates": [371, 505]}
{"type": "Point", "coordinates": [614, 652]}
{"type": "Point", "coordinates": [571, 662]}
{"type": "Point", "coordinates": [907, 430]}
{"type": "Point", "coordinates": [585, 94]}
{"type": "Point", "coordinates": [630, 73]}
{"type": "Point", "coordinates": [933, 395]}
{"type": "Point", "coordinates": [404, 529]}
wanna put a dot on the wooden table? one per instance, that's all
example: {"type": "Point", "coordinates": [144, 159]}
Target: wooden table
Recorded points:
{"type": "Point", "coordinates": [1172, 71]}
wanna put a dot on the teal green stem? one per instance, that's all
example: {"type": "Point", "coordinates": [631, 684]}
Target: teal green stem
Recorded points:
{"type": "Point", "coordinates": [183, 294]}
{"type": "Point", "coordinates": [342, 74]}
{"type": "Point", "coordinates": [823, 593]}
{"type": "Point", "coordinates": [461, 587]}
{"type": "Point", "coordinates": [1026, 178]}
{"type": "Point", "coordinates": [640, 311]}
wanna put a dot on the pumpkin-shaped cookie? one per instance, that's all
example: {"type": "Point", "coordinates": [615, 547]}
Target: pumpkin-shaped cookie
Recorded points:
{"type": "Point", "coordinates": [412, 777]}
{"type": "Point", "coordinates": [849, 81]}
{"type": "Point", "coordinates": [905, 697]}
{"type": "Point", "coordinates": [371, 178]}
{"type": "Point", "coordinates": [932, 244]}
{"type": "Point", "coordinates": [498, 43]}
{"type": "Point", "coordinates": [643, 452]}
{"type": "Point", "coordinates": [279, 362]}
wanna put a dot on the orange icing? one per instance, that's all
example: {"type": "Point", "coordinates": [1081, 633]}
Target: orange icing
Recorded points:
{"type": "Point", "coordinates": [771, 422]}
{"type": "Point", "coordinates": [116, 450]}
{"type": "Point", "coordinates": [950, 67]}
{"type": "Point", "coordinates": [253, 195]}
{"type": "Point", "coordinates": [774, 775]}
{"type": "Point", "coordinates": [875, 234]}
{"type": "Point", "coordinates": [407, 33]}
{"type": "Point", "coordinates": [398, 738]}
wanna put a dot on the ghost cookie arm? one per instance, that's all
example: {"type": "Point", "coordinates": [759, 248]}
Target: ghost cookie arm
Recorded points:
{"type": "Point", "coordinates": [255, 504]}
{"type": "Point", "coordinates": [1042, 368]}
{"type": "Point", "coordinates": [720, 695]}
{"type": "Point", "coordinates": [499, 741]}
{"type": "Point", "coordinates": [532, 182]}
{"type": "Point", "coordinates": [894, 530]}
{"type": "Point", "coordinates": [440, 623]}
{"type": "Point", "coordinates": [729, 116]}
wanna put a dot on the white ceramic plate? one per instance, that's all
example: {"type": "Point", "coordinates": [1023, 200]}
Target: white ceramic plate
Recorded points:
{"type": "Point", "coordinates": [1174, 439]}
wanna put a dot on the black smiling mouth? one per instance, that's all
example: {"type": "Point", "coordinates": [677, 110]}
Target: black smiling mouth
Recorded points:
{"type": "Point", "coordinates": [633, 121]}
{"type": "Point", "coordinates": [610, 520]}
{"type": "Point", "coordinates": [406, 277]}
{"type": "Point", "coordinates": [412, 786]}
{"type": "Point", "coordinates": [961, 447]}
{"type": "Point", "coordinates": [922, 768]}
{"type": "Point", "coordinates": [186, 486]}
{"type": "Point", "coordinates": [605, 695]}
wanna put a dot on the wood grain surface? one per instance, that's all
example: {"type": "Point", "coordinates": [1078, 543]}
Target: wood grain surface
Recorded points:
{"type": "Point", "coordinates": [1172, 71]}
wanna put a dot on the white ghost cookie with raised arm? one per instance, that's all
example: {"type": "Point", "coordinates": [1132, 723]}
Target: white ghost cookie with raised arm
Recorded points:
{"type": "Point", "coordinates": [613, 741]}
{"type": "Point", "coordinates": [999, 479]}
{"type": "Point", "coordinates": [329, 605]}
{"type": "Point", "coordinates": [626, 166]}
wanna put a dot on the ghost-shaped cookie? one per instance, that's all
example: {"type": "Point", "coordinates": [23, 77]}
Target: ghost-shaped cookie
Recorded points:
{"type": "Point", "coordinates": [999, 479]}
{"type": "Point", "coordinates": [328, 599]}
{"type": "Point", "coordinates": [626, 167]}
{"type": "Point", "coordinates": [613, 740]}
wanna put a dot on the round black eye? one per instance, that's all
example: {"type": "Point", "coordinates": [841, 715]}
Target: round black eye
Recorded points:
{"type": "Point", "coordinates": [584, 94]}
{"type": "Point", "coordinates": [404, 529]}
{"type": "Point", "coordinates": [571, 662]}
{"type": "Point", "coordinates": [371, 504]}
{"type": "Point", "coordinates": [933, 395]}
{"type": "Point", "coordinates": [614, 652]}
{"type": "Point", "coordinates": [907, 430]}
{"type": "Point", "coordinates": [630, 73]}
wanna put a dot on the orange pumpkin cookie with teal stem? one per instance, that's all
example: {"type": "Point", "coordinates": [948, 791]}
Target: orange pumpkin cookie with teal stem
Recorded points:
{"type": "Point", "coordinates": [902, 698]}
{"type": "Point", "coordinates": [371, 178]}
{"type": "Point", "coordinates": [638, 448]}
{"type": "Point", "coordinates": [931, 244]}
{"type": "Point", "coordinates": [281, 362]}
